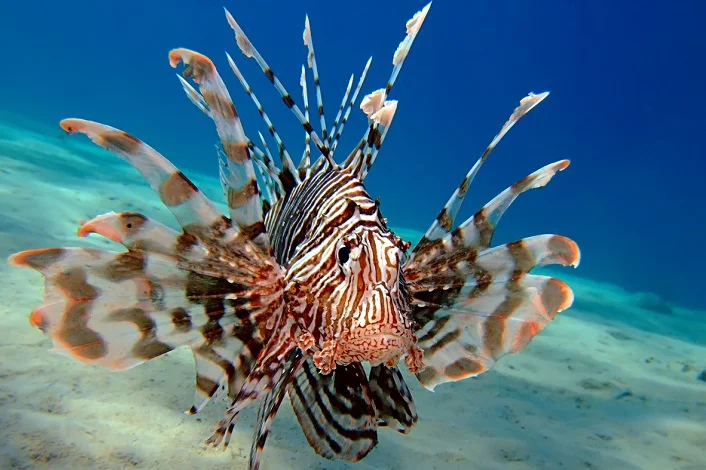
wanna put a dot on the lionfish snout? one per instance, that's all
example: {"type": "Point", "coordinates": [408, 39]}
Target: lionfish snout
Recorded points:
{"type": "Point", "coordinates": [379, 332]}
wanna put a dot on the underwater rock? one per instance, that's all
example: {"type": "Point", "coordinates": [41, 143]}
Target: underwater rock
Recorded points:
{"type": "Point", "coordinates": [702, 376]}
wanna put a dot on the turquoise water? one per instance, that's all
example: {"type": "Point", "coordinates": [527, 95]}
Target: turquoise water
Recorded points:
{"type": "Point", "coordinates": [625, 107]}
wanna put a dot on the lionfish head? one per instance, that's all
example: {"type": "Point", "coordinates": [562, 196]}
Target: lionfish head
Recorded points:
{"type": "Point", "coordinates": [355, 301]}
{"type": "Point", "coordinates": [375, 314]}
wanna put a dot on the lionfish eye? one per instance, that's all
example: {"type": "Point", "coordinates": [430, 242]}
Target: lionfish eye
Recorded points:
{"type": "Point", "coordinates": [344, 254]}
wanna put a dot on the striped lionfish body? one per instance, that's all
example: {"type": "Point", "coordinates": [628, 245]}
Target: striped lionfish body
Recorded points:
{"type": "Point", "coordinates": [303, 282]}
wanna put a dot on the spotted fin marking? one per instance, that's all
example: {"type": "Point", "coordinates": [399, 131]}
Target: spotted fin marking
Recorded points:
{"type": "Point", "coordinates": [394, 404]}
{"type": "Point", "coordinates": [201, 282]}
{"type": "Point", "coordinates": [445, 220]}
{"type": "Point", "coordinates": [118, 310]}
{"type": "Point", "coordinates": [269, 405]}
{"type": "Point", "coordinates": [469, 336]}
{"type": "Point", "coordinates": [475, 304]}
{"type": "Point", "coordinates": [177, 192]}
{"type": "Point", "coordinates": [336, 411]}
{"type": "Point", "coordinates": [221, 366]}
{"type": "Point", "coordinates": [243, 193]}
{"type": "Point", "coordinates": [491, 307]}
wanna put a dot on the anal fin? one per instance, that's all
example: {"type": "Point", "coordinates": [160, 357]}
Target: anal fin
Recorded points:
{"type": "Point", "coordinates": [336, 410]}
{"type": "Point", "coordinates": [394, 404]}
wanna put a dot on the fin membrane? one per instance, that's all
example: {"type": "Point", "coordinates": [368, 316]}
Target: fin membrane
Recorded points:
{"type": "Point", "coordinates": [474, 304]}
{"type": "Point", "coordinates": [336, 411]}
{"type": "Point", "coordinates": [394, 404]}
{"type": "Point", "coordinates": [270, 405]}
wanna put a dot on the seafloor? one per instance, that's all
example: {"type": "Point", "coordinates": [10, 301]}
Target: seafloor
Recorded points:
{"type": "Point", "coordinates": [616, 382]}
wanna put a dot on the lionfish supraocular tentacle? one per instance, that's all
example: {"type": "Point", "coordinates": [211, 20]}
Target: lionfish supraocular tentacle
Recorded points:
{"type": "Point", "coordinates": [311, 62]}
{"type": "Point", "coordinates": [249, 51]}
{"type": "Point", "coordinates": [243, 192]}
{"type": "Point", "coordinates": [380, 120]}
{"type": "Point", "coordinates": [445, 220]}
{"type": "Point", "coordinates": [288, 175]}
{"type": "Point", "coordinates": [379, 110]}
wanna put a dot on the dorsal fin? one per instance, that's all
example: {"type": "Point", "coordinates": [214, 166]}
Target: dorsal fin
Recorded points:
{"type": "Point", "coordinates": [342, 107]}
{"type": "Point", "coordinates": [289, 177]}
{"type": "Point", "coordinates": [249, 51]}
{"type": "Point", "coordinates": [305, 164]}
{"type": "Point", "coordinates": [311, 62]}
{"type": "Point", "coordinates": [377, 101]}
{"type": "Point", "coordinates": [339, 131]}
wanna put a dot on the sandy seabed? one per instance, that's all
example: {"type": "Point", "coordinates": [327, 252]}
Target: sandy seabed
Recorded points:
{"type": "Point", "coordinates": [612, 383]}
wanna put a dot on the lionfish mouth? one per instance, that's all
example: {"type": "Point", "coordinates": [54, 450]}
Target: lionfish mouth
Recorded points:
{"type": "Point", "coordinates": [378, 347]}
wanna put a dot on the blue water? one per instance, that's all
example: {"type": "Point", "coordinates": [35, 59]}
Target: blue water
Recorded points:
{"type": "Point", "coordinates": [626, 106]}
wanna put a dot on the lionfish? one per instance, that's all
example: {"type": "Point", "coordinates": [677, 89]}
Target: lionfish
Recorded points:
{"type": "Point", "coordinates": [303, 282]}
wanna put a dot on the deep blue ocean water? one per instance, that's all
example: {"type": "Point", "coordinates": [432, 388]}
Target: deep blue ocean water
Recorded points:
{"type": "Point", "coordinates": [626, 106]}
